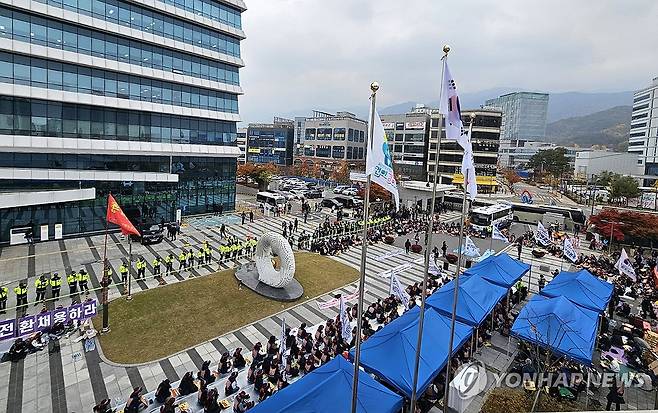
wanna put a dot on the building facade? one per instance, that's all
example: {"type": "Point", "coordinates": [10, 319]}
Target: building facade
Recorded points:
{"type": "Point", "coordinates": [485, 140]}
{"type": "Point", "coordinates": [524, 115]}
{"type": "Point", "coordinates": [138, 99]}
{"type": "Point", "coordinates": [271, 143]}
{"type": "Point", "coordinates": [643, 138]}
{"type": "Point", "coordinates": [408, 135]}
{"type": "Point", "coordinates": [300, 130]}
{"type": "Point", "coordinates": [589, 163]}
{"type": "Point", "coordinates": [332, 138]}
{"type": "Point", "coordinates": [241, 141]}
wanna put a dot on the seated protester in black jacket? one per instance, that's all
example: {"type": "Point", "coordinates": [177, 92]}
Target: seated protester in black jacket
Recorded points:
{"type": "Point", "coordinates": [187, 385]}
{"type": "Point", "coordinates": [231, 384]}
{"type": "Point", "coordinates": [238, 360]}
{"type": "Point", "coordinates": [206, 374]}
{"type": "Point", "coordinates": [163, 391]}
{"type": "Point", "coordinates": [211, 405]}
{"type": "Point", "coordinates": [224, 363]}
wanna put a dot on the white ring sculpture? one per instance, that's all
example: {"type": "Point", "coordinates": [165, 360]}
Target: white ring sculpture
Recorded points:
{"type": "Point", "coordinates": [273, 243]}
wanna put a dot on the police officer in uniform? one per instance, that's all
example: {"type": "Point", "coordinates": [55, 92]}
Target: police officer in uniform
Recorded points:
{"type": "Point", "coordinates": [188, 257]}
{"type": "Point", "coordinates": [21, 295]}
{"type": "Point", "coordinates": [123, 271]}
{"type": "Point", "coordinates": [169, 263]}
{"type": "Point", "coordinates": [141, 268]}
{"type": "Point", "coordinates": [156, 266]}
{"type": "Point", "coordinates": [182, 261]}
{"type": "Point", "coordinates": [41, 284]}
{"type": "Point", "coordinates": [55, 285]}
{"type": "Point", "coordinates": [83, 280]}
{"type": "Point", "coordinates": [72, 281]}
{"type": "Point", "coordinates": [4, 291]}
{"type": "Point", "coordinates": [207, 251]}
{"type": "Point", "coordinates": [200, 257]}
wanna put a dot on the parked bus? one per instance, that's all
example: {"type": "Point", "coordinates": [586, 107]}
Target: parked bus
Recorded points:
{"type": "Point", "coordinates": [271, 199]}
{"type": "Point", "coordinates": [531, 213]}
{"type": "Point", "coordinates": [484, 217]}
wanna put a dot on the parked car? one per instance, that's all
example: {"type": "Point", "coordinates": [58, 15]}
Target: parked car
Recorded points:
{"type": "Point", "coordinates": [340, 188]}
{"type": "Point", "coordinates": [298, 193]}
{"type": "Point", "coordinates": [152, 234]}
{"type": "Point", "coordinates": [331, 202]}
{"type": "Point", "coordinates": [313, 194]}
{"type": "Point", "coordinates": [348, 201]}
{"type": "Point", "coordinates": [350, 192]}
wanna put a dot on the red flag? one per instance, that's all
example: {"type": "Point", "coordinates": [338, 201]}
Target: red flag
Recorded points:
{"type": "Point", "coordinates": [115, 215]}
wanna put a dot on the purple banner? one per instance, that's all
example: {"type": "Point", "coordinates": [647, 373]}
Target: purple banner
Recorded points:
{"type": "Point", "coordinates": [32, 323]}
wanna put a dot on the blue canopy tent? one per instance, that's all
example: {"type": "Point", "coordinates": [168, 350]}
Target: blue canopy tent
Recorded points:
{"type": "Point", "coordinates": [390, 353]}
{"type": "Point", "coordinates": [477, 298]}
{"type": "Point", "coordinates": [559, 324]}
{"type": "Point", "coordinates": [499, 269]}
{"type": "Point", "coordinates": [329, 389]}
{"type": "Point", "coordinates": [582, 288]}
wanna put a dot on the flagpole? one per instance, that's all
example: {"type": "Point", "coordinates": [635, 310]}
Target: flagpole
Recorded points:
{"type": "Point", "coordinates": [105, 282]}
{"type": "Point", "coordinates": [429, 232]}
{"type": "Point", "coordinates": [374, 87]}
{"type": "Point", "coordinates": [456, 280]}
{"type": "Point", "coordinates": [130, 267]}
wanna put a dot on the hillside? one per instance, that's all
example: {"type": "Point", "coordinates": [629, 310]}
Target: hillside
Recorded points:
{"type": "Point", "coordinates": [608, 127]}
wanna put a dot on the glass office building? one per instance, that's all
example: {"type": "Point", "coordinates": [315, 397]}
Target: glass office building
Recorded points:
{"type": "Point", "coordinates": [135, 98]}
{"type": "Point", "coordinates": [271, 142]}
{"type": "Point", "coordinates": [524, 115]}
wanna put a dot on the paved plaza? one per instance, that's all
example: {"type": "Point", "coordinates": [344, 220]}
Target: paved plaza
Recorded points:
{"type": "Point", "coordinates": [65, 378]}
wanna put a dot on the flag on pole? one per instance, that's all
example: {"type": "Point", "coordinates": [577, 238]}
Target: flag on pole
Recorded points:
{"type": "Point", "coordinates": [379, 163]}
{"type": "Point", "coordinates": [470, 249]}
{"type": "Point", "coordinates": [541, 236]}
{"type": "Point", "coordinates": [115, 215]}
{"type": "Point", "coordinates": [496, 234]}
{"type": "Point", "coordinates": [396, 289]}
{"type": "Point", "coordinates": [346, 332]}
{"type": "Point", "coordinates": [624, 265]}
{"type": "Point", "coordinates": [449, 107]}
{"type": "Point", "coordinates": [282, 345]}
{"type": "Point", "coordinates": [569, 250]}
{"type": "Point", "coordinates": [468, 169]}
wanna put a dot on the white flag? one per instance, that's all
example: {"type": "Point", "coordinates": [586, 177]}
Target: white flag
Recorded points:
{"type": "Point", "coordinates": [624, 265]}
{"type": "Point", "coordinates": [396, 289]}
{"type": "Point", "coordinates": [541, 236]}
{"type": "Point", "coordinates": [496, 234]}
{"type": "Point", "coordinates": [569, 250]}
{"type": "Point", "coordinates": [468, 170]}
{"type": "Point", "coordinates": [450, 109]}
{"type": "Point", "coordinates": [346, 332]}
{"type": "Point", "coordinates": [379, 163]}
{"type": "Point", "coordinates": [470, 248]}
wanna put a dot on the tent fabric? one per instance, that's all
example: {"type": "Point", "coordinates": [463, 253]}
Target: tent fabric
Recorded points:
{"type": "Point", "coordinates": [559, 324]}
{"type": "Point", "coordinates": [477, 298]}
{"type": "Point", "coordinates": [500, 269]}
{"type": "Point", "coordinates": [329, 389]}
{"type": "Point", "coordinates": [582, 288]}
{"type": "Point", "coordinates": [390, 353]}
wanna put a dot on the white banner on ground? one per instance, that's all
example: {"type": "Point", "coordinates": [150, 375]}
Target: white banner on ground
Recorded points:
{"type": "Point", "coordinates": [390, 254]}
{"type": "Point", "coordinates": [541, 236]}
{"type": "Point", "coordinates": [334, 301]}
{"type": "Point", "coordinates": [396, 270]}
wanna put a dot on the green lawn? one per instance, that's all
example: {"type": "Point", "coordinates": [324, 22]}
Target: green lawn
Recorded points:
{"type": "Point", "coordinates": [162, 321]}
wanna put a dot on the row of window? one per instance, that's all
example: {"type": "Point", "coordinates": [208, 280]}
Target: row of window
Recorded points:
{"type": "Point", "coordinates": [480, 120]}
{"type": "Point", "coordinates": [140, 18]}
{"type": "Point", "coordinates": [409, 149]}
{"type": "Point", "coordinates": [639, 125]}
{"type": "Point", "coordinates": [35, 117]}
{"type": "Point", "coordinates": [399, 137]}
{"type": "Point", "coordinates": [208, 8]}
{"type": "Point", "coordinates": [639, 98]}
{"type": "Point", "coordinates": [51, 33]}
{"type": "Point", "coordinates": [23, 70]}
{"type": "Point", "coordinates": [276, 158]}
{"type": "Point", "coordinates": [640, 116]}
{"type": "Point", "coordinates": [338, 134]}
{"type": "Point", "coordinates": [337, 152]}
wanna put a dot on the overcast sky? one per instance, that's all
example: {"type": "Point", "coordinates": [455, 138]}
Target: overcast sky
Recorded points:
{"type": "Point", "coordinates": [303, 54]}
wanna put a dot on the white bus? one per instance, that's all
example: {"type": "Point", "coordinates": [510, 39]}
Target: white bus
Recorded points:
{"type": "Point", "coordinates": [484, 217]}
{"type": "Point", "coordinates": [271, 199]}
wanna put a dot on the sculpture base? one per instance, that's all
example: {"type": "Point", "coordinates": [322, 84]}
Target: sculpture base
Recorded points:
{"type": "Point", "coordinates": [248, 276]}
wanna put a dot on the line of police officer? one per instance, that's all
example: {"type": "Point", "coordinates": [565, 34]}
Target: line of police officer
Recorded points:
{"type": "Point", "coordinates": [79, 281]}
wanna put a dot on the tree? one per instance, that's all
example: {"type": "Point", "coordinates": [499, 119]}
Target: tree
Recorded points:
{"type": "Point", "coordinates": [631, 226]}
{"type": "Point", "coordinates": [549, 161]}
{"type": "Point", "coordinates": [511, 177]}
{"type": "Point", "coordinates": [341, 174]}
{"type": "Point", "coordinates": [604, 178]}
{"type": "Point", "coordinates": [624, 187]}
{"type": "Point", "coordinates": [261, 174]}
{"type": "Point", "coordinates": [377, 193]}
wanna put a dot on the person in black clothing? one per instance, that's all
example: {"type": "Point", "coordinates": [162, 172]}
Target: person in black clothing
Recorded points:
{"type": "Point", "coordinates": [238, 360]}
{"type": "Point", "coordinates": [444, 248]}
{"type": "Point", "coordinates": [231, 384]}
{"type": "Point", "coordinates": [206, 374]}
{"type": "Point", "coordinates": [519, 247]}
{"type": "Point", "coordinates": [615, 395]}
{"type": "Point", "coordinates": [163, 392]}
{"type": "Point", "coordinates": [243, 216]}
{"type": "Point", "coordinates": [187, 385]}
{"type": "Point", "coordinates": [251, 216]}
{"type": "Point", "coordinates": [135, 401]}
{"type": "Point", "coordinates": [103, 407]}
{"type": "Point", "coordinates": [211, 405]}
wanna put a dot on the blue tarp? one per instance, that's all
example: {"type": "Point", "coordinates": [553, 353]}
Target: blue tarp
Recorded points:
{"type": "Point", "coordinates": [582, 288]}
{"type": "Point", "coordinates": [559, 324]}
{"type": "Point", "coordinates": [390, 353]}
{"type": "Point", "coordinates": [477, 298]}
{"type": "Point", "coordinates": [329, 389]}
{"type": "Point", "coordinates": [499, 269]}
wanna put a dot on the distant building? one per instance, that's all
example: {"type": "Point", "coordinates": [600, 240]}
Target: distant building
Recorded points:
{"type": "Point", "coordinates": [516, 153]}
{"type": "Point", "coordinates": [524, 115]}
{"type": "Point", "coordinates": [643, 138]}
{"type": "Point", "coordinates": [485, 141]}
{"type": "Point", "coordinates": [300, 130]}
{"type": "Point", "coordinates": [589, 163]}
{"type": "Point", "coordinates": [332, 138]}
{"type": "Point", "coordinates": [242, 145]}
{"type": "Point", "coordinates": [271, 142]}
{"type": "Point", "coordinates": [408, 136]}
